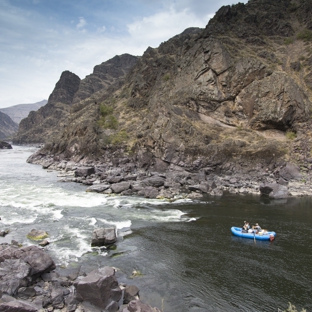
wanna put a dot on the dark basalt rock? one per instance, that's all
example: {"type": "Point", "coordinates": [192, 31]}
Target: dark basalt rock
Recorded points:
{"type": "Point", "coordinates": [104, 236]}
{"type": "Point", "coordinates": [274, 190]}
{"type": "Point", "coordinates": [100, 287]}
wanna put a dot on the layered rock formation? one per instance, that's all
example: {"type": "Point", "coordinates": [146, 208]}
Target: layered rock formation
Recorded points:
{"type": "Point", "coordinates": [69, 96]}
{"type": "Point", "coordinates": [7, 127]}
{"type": "Point", "coordinates": [232, 98]}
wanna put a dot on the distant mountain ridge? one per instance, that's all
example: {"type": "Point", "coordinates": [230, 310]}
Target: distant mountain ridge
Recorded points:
{"type": "Point", "coordinates": [7, 127]}
{"type": "Point", "coordinates": [21, 111]}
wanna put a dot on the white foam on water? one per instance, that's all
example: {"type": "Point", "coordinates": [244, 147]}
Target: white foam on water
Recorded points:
{"type": "Point", "coordinates": [117, 224]}
{"type": "Point", "coordinates": [80, 245]}
{"type": "Point", "coordinates": [192, 220]}
{"type": "Point", "coordinates": [92, 221]}
{"type": "Point", "coordinates": [10, 219]}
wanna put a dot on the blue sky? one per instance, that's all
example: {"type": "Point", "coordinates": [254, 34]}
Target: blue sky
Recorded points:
{"type": "Point", "coordinates": [39, 39]}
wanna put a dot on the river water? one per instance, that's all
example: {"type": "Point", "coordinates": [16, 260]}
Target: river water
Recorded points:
{"type": "Point", "coordinates": [185, 252]}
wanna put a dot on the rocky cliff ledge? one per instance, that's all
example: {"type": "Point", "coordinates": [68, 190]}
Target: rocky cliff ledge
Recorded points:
{"type": "Point", "coordinates": [230, 100]}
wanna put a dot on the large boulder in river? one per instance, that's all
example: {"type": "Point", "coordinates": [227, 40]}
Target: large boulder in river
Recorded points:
{"type": "Point", "coordinates": [5, 145]}
{"type": "Point", "coordinates": [37, 235]}
{"type": "Point", "coordinates": [100, 288]}
{"type": "Point", "coordinates": [103, 236]}
{"type": "Point", "coordinates": [274, 190]}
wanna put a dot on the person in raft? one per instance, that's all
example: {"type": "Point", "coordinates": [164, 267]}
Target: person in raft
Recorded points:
{"type": "Point", "coordinates": [246, 227]}
{"type": "Point", "coordinates": [257, 228]}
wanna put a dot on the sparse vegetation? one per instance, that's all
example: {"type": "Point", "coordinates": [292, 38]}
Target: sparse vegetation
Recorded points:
{"type": "Point", "coordinates": [288, 41]}
{"type": "Point", "coordinates": [166, 77]}
{"type": "Point", "coordinates": [107, 119]}
{"type": "Point", "coordinates": [305, 35]}
{"type": "Point", "coordinates": [119, 137]}
{"type": "Point", "coordinates": [290, 135]}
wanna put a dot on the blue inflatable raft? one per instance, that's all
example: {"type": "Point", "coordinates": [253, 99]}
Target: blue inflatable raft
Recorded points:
{"type": "Point", "coordinates": [263, 235]}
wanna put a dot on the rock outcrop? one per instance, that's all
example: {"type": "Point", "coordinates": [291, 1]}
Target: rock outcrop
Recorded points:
{"type": "Point", "coordinates": [68, 97]}
{"type": "Point", "coordinates": [233, 98]}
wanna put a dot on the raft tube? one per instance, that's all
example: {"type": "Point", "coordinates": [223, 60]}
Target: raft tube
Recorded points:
{"type": "Point", "coordinates": [264, 235]}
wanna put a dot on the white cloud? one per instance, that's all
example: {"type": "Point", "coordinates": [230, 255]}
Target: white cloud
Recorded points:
{"type": "Point", "coordinates": [163, 25]}
{"type": "Point", "coordinates": [82, 23]}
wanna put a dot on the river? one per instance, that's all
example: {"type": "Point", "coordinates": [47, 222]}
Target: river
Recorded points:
{"type": "Point", "coordinates": [185, 251]}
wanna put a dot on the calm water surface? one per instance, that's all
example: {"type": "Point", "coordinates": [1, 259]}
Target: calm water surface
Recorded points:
{"type": "Point", "coordinates": [185, 251]}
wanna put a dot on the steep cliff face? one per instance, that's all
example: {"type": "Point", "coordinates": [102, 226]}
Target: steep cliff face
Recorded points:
{"type": "Point", "coordinates": [7, 127]}
{"type": "Point", "coordinates": [225, 98]}
{"type": "Point", "coordinates": [68, 96]}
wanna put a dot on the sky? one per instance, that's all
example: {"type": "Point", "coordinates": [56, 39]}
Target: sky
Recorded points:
{"type": "Point", "coordinates": [39, 39]}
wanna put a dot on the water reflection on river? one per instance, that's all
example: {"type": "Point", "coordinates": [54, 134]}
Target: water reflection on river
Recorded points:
{"type": "Point", "coordinates": [185, 250]}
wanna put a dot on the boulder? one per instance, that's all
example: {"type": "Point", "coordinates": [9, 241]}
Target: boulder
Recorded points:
{"type": "Point", "coordinates": [98, 188]}
{"type": "Point", "coordinates": [115, 179]}
{"type": "Point", "coordinates": [4, 232]}
{"type": "Point", "coordinates": [274, 190]}
{"type": "Point", "coordinates": [17, 306]}
{"type": "Point", "coordinates": [5, 145]}
{"type": "Point", "coordinates": [37, 235]}
{"type": "Point", "coordinates": [84, 171]}
{"type": "Point", "coordinates": [44, 243]}
{"type": "Point", "coordinates": [155, 181]}
{"type": "Point", "coordinates": [120, 187]}
{"type": "Point", "coordinates": [202, 187]}
{"type": "Point", "coordinates": [149, 192]}
{"type": "Point", "coordinates": [39, 261]}
{"type": "Point", "coordinates": [289, 172]}
{"type": "Point", "coordinates": [100, 288]}
{"type": "Point", "coordinates": [139, 306]}
{"type": "Point", "coordinates": [14, 274]}
{"type": "Point", "coordinates": [103, 236]}
{"type": "Point", "coordinates": [131, 292]}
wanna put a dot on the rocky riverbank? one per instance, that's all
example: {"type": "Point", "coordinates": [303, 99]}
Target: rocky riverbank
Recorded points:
{"type": "Point", "coordinates": [31, 282]}
{"type": "Point", "coordinates": [173, 182]}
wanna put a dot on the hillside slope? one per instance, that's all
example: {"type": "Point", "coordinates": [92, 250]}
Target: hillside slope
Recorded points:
{"type": "Point", "coordinates": [226, 99]}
